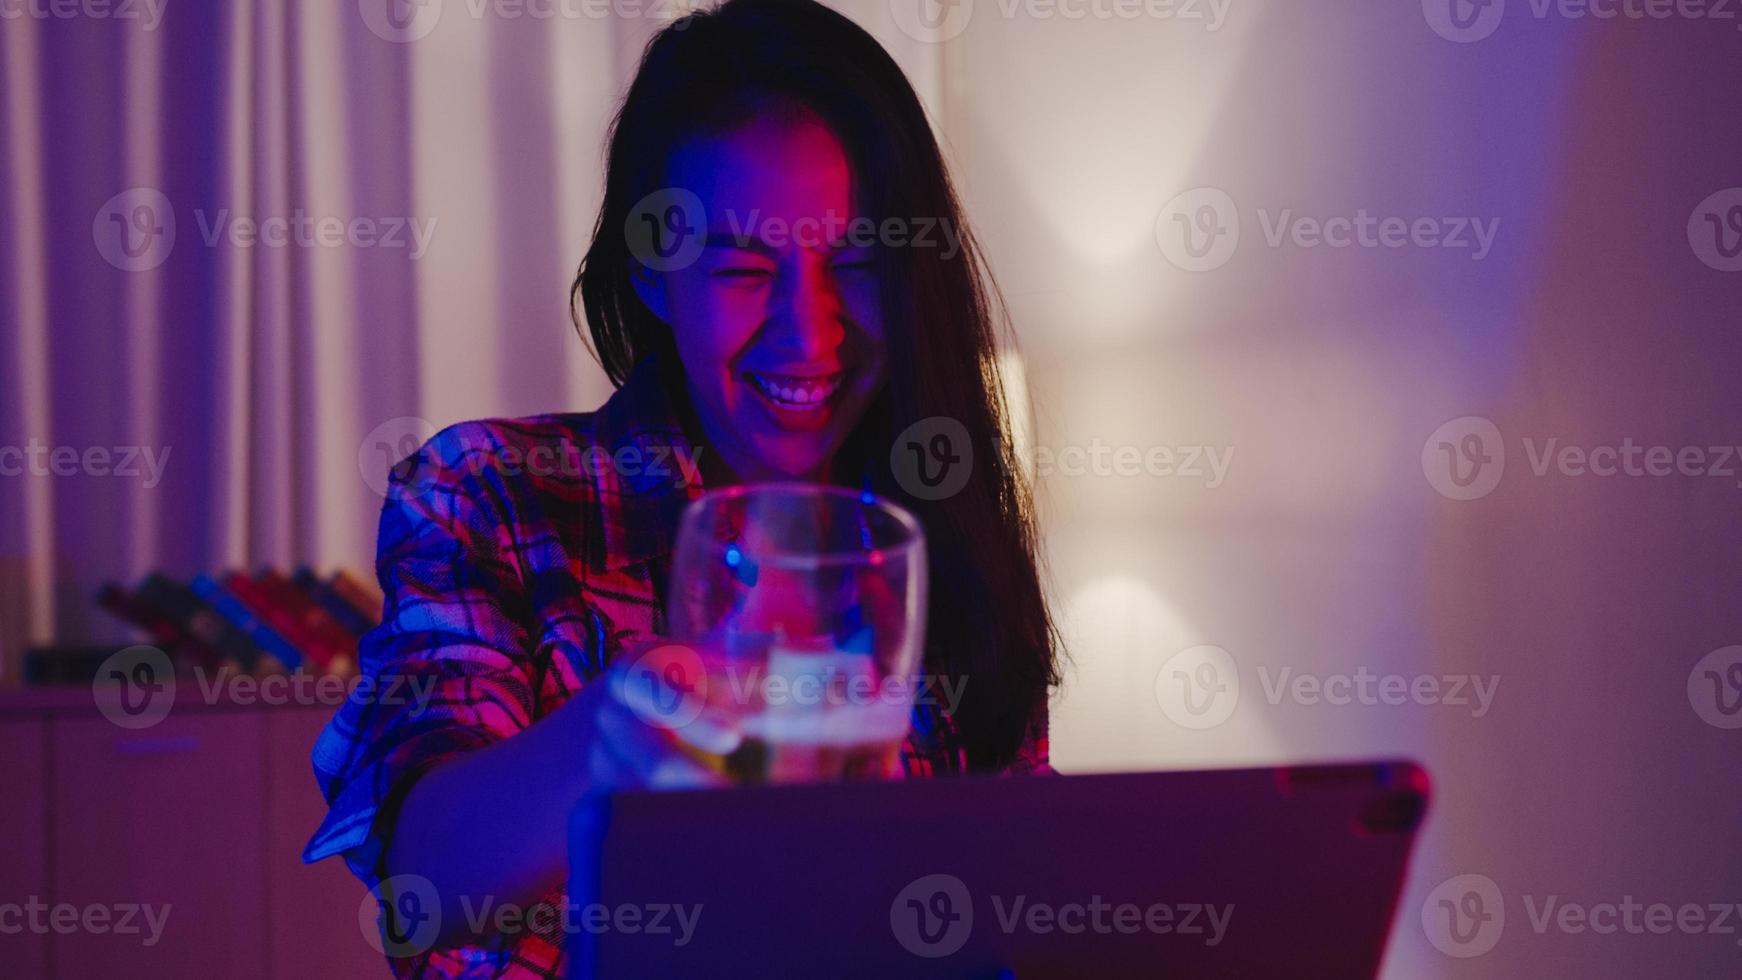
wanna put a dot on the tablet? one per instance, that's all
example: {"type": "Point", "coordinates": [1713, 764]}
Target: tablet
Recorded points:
{"type": "Point", "coordinates": [1230, 873]}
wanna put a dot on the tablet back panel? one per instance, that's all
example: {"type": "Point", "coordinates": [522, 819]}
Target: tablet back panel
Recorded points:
{"type": "Point", "coordinates": [1234, 873]}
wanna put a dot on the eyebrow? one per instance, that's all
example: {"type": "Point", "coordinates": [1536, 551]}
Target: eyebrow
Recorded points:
{"type": "Point", "coordinates": [751, 243]}
{"type": "Point", "coordinates": [724, 239]}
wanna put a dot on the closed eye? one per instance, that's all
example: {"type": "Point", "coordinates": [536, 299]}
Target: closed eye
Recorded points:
{"type": "Point", "coordinates": [854, 260]}
{"type": "Point", "coordinates": [741, 273]}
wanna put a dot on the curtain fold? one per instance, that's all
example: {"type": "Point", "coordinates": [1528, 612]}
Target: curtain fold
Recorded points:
{"type": "Point", "coordinates": [268, 248]}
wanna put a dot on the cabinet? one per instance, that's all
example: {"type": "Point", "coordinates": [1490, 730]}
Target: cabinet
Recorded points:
{"type": "Point", "coordinates": [196, 824]}
{"type": "Point", "coordinates": [23, 842]}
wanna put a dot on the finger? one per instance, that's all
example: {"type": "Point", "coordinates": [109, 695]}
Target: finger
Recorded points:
{"type": "Point", "coordinates": [677, 771]}
{"type": "Point", "coordinates": [648, 755]}
{"type": "Point", "coordinates": [669, 688]}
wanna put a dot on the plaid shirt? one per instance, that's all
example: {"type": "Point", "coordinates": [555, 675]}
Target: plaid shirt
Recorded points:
{"type": "Point", "coordinates": [517, 557]}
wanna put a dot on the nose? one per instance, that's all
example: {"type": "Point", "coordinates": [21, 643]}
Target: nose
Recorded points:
{"type": "Point", "coordinates": [805, 321]}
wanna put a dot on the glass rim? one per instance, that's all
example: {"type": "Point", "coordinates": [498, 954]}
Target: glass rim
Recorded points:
{"type": "Point", "coordinates": [913, 535]}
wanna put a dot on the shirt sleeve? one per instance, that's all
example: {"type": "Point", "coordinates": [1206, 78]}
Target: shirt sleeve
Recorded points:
{"type": "Point", "coordinates": [448, 670]}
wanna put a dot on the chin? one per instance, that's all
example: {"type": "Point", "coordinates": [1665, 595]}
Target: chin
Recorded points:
{"type": "Point", "coordinates": [797, 462]}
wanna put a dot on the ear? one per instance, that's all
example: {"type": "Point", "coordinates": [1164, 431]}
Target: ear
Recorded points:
{"type": "Point", "coordinates": [650, 289]}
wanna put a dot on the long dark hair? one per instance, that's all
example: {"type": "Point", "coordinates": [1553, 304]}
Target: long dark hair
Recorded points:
{"type": "Point", "coordinates": [989, 626]}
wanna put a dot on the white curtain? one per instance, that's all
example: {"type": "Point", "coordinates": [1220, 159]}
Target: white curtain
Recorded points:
{"type": "Point", "coordinates": [457, 164]}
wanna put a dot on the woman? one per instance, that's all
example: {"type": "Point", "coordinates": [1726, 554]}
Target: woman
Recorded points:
{"type": "Point", "coordinates": [755, 331]}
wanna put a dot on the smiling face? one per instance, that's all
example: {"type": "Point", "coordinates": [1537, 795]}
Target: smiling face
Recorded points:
{"type": "Point", "coordinates": [778, 322]}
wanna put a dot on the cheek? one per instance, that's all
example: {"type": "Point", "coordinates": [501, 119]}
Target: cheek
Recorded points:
{"type": "Point", "coordinates": [711, 327]}
{"type": "Point", "coordinates": [865, 307]}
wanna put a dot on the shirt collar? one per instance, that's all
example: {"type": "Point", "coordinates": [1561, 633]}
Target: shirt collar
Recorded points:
{"type": "Point", "coordinates": [654, 467]}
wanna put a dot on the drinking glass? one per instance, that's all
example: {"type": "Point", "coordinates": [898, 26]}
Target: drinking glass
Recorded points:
{"type": "Point", "coordinates": [807, 606]}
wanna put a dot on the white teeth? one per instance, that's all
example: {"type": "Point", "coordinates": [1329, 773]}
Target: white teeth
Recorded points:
{"type": "Point", "coordinates": [805, 394]}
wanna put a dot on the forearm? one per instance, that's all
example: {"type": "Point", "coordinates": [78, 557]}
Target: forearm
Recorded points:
{"type": "Point", "coordinates": [493, 822]}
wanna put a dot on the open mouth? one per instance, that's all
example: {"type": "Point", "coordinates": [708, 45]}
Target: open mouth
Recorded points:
{"type": "Point", "coordinates": [796, 394]}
